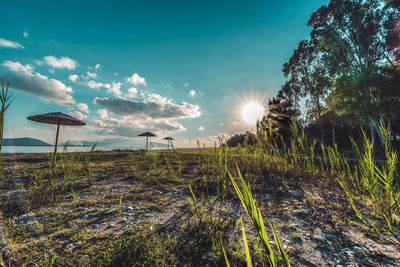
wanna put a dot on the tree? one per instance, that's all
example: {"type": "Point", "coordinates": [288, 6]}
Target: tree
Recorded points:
{"type": "Point", "coordinates": [307, 77]}
{"type": "Point", "coordinates": [353, 37]}
{"type": "Point", "coordinates": [280, 113]}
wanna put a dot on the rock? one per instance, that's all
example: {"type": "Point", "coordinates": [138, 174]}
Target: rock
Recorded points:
{"type": "Point", "coordinates": [296, 193]}
{"type": "Point", "coordinates": [95, 226]}
{"type": "Point", "coordinates": [129, 209]}
{"type": "Point", "coordinates": [318, 237]}
{"type": "Point", "coordinates": [108, 212]}
{"type": "Point", "coordinates": [329, 236]}
{"type": "Point", "coordinates": [110, 226]}
{"type": "Point", "coordinates": [70, 246]}
{"type": "Point", "coordinates": [307, 210]}
{"type": "Point", "coordinates": [355, 248]}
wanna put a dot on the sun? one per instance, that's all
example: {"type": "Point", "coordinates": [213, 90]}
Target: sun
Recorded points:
{"type": "Point", "coordinates": [251, 112]}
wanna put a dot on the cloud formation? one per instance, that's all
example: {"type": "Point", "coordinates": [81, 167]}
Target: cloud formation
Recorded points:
{"type": "Point", "coordinates": [136, 80]}
{"type": "Point", "coordinates": [91, 75]}
{"type": "Point", "coordinates": [61, 63]}
{"type": "Point", "coordinates": [10, 44]}
{"type": "Point", "coordinates": [131, 127]}
{"type": "Point", "coordinates": [153, 107]}
{"type": "Point", "coordinates": [83, 107]}
{"type": "Point", "coordinates": [78, 115]}
{"type": "Point", "coordinates": [18, 67]}
{"type": "Point", "coordinates": [24, 79]}
{"type": "Point", "coordinates": [132, 92]}
{"type": "Point", "coordinates": [95, 85]}
{"type": "Point", "coordinates": [73, 78]}
{"type": "Point", "coordinates": [192, 92]}
{"type": "Point", "coordinates": [113, 88]}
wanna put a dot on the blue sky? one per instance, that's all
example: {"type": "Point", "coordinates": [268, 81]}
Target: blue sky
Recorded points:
{"type": "Point", "coordinates": [177, 68]}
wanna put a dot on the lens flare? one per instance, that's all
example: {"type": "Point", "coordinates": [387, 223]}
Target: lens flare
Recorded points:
{"type": "Point", "coordinates": [251, 112]}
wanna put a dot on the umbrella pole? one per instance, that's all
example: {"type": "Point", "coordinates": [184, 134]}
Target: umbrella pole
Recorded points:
{"type": "Point", "coordinates": [147, 143]}
{"type": "Point", "coordinates": [168, 145]}
{"type": "Point", "coordinates": [55, 146]}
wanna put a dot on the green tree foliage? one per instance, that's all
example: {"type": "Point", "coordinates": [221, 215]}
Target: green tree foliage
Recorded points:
{"type": "Point", "coordinates": [306, 76]}
{"type": "Point", "coordinates": [349, 66]}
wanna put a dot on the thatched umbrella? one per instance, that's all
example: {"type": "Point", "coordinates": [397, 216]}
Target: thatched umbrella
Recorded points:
{"type": "Point", "coordinates": [57, 118]}
{"type": "Point", "coordinates": [169, 140]}
{"type": "Point", "coordinates": [147, 134]}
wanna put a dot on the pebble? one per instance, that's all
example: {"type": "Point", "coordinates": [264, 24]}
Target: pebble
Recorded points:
{"type": "Point", "coordinates": [319, 237]}
{"type": "Point", "coordinates": [129, 209]}
{"type": "Point", "coordinates": [329, 236]}
{"type": "Point", "coordinates": [358, 249]}
{"type": "Point", "coordinates": [108, 212]}
{"type": "Point", "coordinates": [296, 193]}
{"type": "Point", "coordinates": [95, 226]}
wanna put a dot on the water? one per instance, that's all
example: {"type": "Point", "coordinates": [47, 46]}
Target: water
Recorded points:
{"type": "Point", "coordinates": [47, 149]}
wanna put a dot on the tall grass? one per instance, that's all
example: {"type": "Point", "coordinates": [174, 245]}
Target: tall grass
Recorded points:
{"type": "Point", "coordinates": [276, 257]}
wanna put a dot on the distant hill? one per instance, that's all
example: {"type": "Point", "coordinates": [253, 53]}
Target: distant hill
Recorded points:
{"type": "Point", "coordinates": [24, 141]}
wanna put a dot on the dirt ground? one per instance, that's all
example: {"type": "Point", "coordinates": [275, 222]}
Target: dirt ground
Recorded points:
{"type": "Point", "coordinates": [123, 190]}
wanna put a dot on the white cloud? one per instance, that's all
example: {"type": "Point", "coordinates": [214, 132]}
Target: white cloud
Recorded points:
{"type": "Point", "coordinates": [61, 63]}
{"type": "Point", "coordinates": [132, 92]}
{"type": "Point", "coordinates": [153, 107]}
{"type": "Point", "coordinates": [91, 75]}
{"type": "Point", "coordinates": [24, 79]}
{"type": "Point", "coordinates": [73, 78]}
{"type": "Point", "coordinates": [201, 128]}
{"type": "Point", "coordinates": [114, 88]}
{"type": "Point", "coordinates": [192, 92]}
{"type": "Point", "coordinates": [26, 34]}
{"type": "Point", "coordinates": [97, 66]}
{"type": "Point", "coordinates": [83, 107]}
{"type": "Point", "coordinates": [103, 113]}
{"type": "Point", "coordinates": [186, 85]}
{"type": "Point", "coordinates": [10, 44]}
{"type": "Point", "coordinates": [221, 124]}
{"type": "Point", "coordinates": [95, 85]}
{"type": "Point", "coordinates": [18, 67]}
{"type": "Point", "coordinates": [135, 79]}
{"type": "Point", "coordinates": [52, 71]}
{"type": "Point", "coordinates": [78, 115]}
{"type": "Point", "coordinates": [38, 62]}
{"type": "Point", "coordinates": [131, 127]}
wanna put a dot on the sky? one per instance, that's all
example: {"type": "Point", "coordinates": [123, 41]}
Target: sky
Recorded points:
{"type": "Point", "coordinates": [184, 69]}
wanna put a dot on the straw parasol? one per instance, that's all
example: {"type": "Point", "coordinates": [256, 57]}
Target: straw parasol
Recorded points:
{"type": "Point", "coordinates": [57, 118]}
{"type": "Point", "coordinates": [147, 134]}
{"type": "Point", "coordinates": [169, 140]}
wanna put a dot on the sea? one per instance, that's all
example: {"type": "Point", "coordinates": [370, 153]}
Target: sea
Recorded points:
{"type": "Point", "coordinates": [48, 149]}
